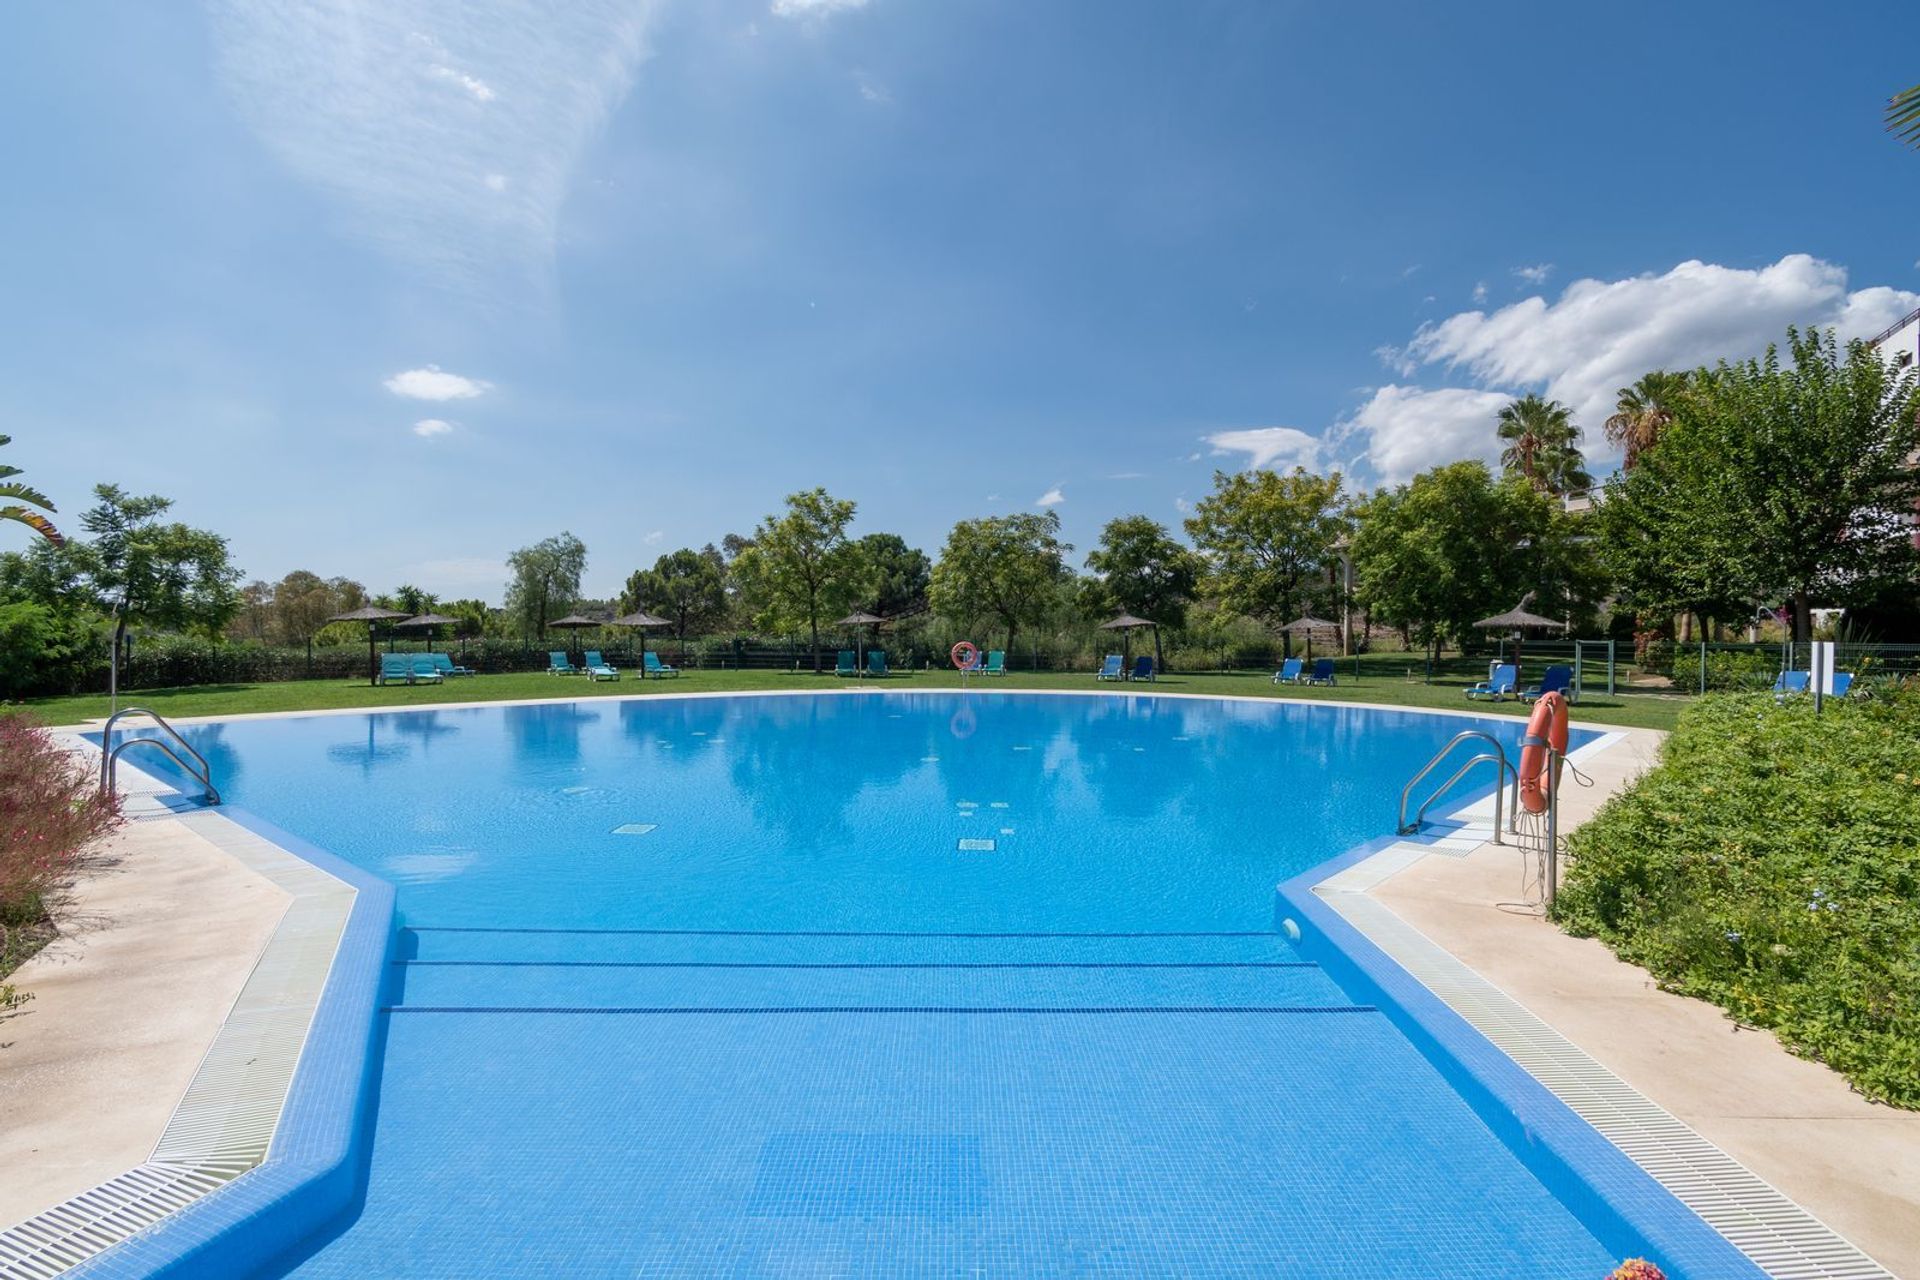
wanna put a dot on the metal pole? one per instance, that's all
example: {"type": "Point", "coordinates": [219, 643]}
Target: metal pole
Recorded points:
{"type": "Point", "coordinates": [1553, 817]}
{"type": "Point", "coordinates": [1703, 666]}
{"type": "Point", "coordinates": [1610, 651]}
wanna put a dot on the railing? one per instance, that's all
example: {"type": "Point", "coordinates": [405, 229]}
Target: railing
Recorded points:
{"type": "Point", "coordinates": [110, 754]}
{"type": "Point", "coordinates": [1497, 757]}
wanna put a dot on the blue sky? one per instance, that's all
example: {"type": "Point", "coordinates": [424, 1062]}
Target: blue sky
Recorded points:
{"type": "Point", "coordinates": [390, 287]}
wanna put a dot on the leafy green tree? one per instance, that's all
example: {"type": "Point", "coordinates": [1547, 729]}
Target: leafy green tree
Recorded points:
{"type": "Point", "coordinates": [169, 576]}
{"type": "Point", "coordinates": [1007, 568]}
{"type": "Point", "coordinates": [545, 581]}
{"type": "Point", "coordinates": [254, 618]}
{"type": "Point", "coordinates": [801, 567]}
{"type": "Point", "coordinates": [1542, 446]}
{"type": "Point", "coordinates": [1268, 539]}
{"type": "Point", "coordinates": [1433, 556]}
{"type": "Point", "coordinates": [1643, 411]}
{"type": "Point", "coordinates": [1141, 569]}
{"type": "Point", "coordinates": [1774, 481]}
{"type": "Point", "coordinates": [303, 601]}
{"type": "Point", "coordinates": [897, 576]}
{"type": "Point", "coordinates": [17, 501]}
{"type": "Point", "coordinates": [413, 600]}
{"type": "Point", "coordinates": [686, 587]}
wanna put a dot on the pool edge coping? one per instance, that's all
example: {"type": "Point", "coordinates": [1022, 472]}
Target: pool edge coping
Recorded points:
{"type": "Point", "coordinates": [1533, 1118]}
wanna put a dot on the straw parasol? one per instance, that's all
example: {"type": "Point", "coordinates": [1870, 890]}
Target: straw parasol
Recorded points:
{"type": "Point", "coordinates": [1125, 625]}
{"type": "Point", "coordinates": [1307, 626]}
{"type": "Point", "coordinates": [640, 619]}
{"type": "Point", "coordinates": [373, 615]}
{"type": "Point", "coordinates": [860, 618]}
{"type": "Point", "coordinates": [576, 622]}
{"type": "Point", "coordinates": [428, 621]}
{"type": "Point", "coordinates": [1517, 620]}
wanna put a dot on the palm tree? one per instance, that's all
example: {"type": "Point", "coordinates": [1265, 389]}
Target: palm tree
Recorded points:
{"type": "Point", "coordinates": [1543, 446]}
{"type": "Point", "coordinates": [17, 501]}
{"type": "Point", "coordinates": [1903, 116]}
{"type": "Point", "coordinates": [1643, 412]}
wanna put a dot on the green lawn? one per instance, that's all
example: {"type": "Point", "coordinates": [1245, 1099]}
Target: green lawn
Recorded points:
{"type": "Point", "coordinates": [1383, 678]}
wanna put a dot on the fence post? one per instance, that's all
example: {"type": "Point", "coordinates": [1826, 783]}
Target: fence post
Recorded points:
{"type": "Point", "coordinates": [1703, 666]}
{"type": "Point", "coordinates": [1610, 651]}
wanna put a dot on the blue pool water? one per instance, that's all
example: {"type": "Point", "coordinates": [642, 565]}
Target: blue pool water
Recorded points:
{"type": "Point", "coordinates": [902, 985]}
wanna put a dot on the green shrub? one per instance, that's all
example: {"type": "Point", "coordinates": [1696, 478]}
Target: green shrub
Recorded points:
{"type": "Point", "coordinates": [1771, 864]}
{"type": "Point", "coordinates": [1727, 669]}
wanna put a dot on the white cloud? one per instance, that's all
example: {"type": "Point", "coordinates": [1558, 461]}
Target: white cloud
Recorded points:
{"type": "Point", "coordinates": [1535, 275]}
{"type": "Point", "coordinates": [1404, 430]}
{"type": "Point", "coordinates": [398, 109]}
{"type": "Point", "coordinates": [1601, 335]}
{"type": "Point", "coordinates": [495, 181]}
{"type": "Point", "coordinates": [431, 427]}
{"type": "Point", "coordinates": [1480, 292]}
{"type": "Point", "coordinates": [435, 383]}
{"type": "Point", "coordinates": [1265, 446]}
{"type": "Point", "coordinates": [871, 89]}
{"type": "Point", "coordinates": [1051, 498]}
{"type": "Point", "coordinates": [654, 537]}
{"type": "Point", "coordinates": [1182, 505]}
{"type": "Point", "coordinates": [814, 8]}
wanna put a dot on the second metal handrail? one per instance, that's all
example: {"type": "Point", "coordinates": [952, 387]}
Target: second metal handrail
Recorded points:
{"type": "Point", "coordinates": [110, 754]}
{"type": "Point", "coordinates": [1497, 757]}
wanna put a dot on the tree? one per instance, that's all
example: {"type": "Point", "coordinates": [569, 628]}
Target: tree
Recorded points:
{"type": "Point", "coordinates": [1903, 116]}
{"type": "Point", "coordinates": [801, 566]}
{"type": "Point", "coordinates": [1268, 539]}
{"type": "Point", "coordinates": [303, 601]}
{"type": "Point", "coordinates": [897, 576]}
{"type": "Point", "coordinates": [169, 576]}
{"type": "Point", "coordinates": [413, 600]}
{"type": "Point", "coordinates": [1433, 556]}
{"type": "Point", "coordinates": [1008, 568]}
{"type": "Point", "coordinates": [1144, 571]}
{"type": "Point", "coordinates": [1542, 446]}
{"type": "Point", "coordinates": [686, 587]}
{"type": "Point", "coordinates": [254, 618]}
{"type": "Point", "coordinates": [17, 501]}
{"type": "Point", "coordinates": [1776, 482]}
{"type": "Point", "coordinates": [1643, 411]}
{"type": "Point", "coordinates": [545, 582]}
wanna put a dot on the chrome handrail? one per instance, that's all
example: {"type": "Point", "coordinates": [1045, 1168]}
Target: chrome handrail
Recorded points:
{"type": "Point", "coordinates": [110, 754]}
{"type": "Point", "coordinates": [1497, 757]}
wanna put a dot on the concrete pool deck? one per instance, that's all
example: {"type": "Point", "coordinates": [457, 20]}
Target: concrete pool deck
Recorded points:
{"type": "Point", "coordinates": [91, 1116]}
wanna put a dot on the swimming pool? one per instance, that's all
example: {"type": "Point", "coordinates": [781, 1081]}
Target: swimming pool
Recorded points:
{"type": "Point", "coordinates": [888, 985]}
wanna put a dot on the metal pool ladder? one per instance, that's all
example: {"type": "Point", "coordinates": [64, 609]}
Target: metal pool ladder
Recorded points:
{"type": "Point", "coordinates": [1497, 756]}
{"type": "Point", "coordinates": [110, 754]}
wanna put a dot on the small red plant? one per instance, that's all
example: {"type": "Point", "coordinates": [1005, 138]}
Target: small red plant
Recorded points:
{"type": "Point", "coordinates": [50, 809]}
{"type": "Point", "coordinates": [1637, 1269]}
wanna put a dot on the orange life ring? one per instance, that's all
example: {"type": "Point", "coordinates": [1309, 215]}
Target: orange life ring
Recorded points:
{"type": "Point", "coordinates": [965, 655]}
{"type": "Point", "coordinates": [1540, 773]}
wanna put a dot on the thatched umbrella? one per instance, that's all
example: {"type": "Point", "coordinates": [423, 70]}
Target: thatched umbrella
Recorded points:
{"type": "Point", "coordinates": [1307, 626]}
{"type": "Point", "coordinates": [1125, 625]}
{"type": "Point", "coordinates": [373, 615]}
{"type": "Point", "coordinates": [860, 618]}
{"type": "Point", "coordinates": [641, 620]}
{"type": "Point", "coordinates": [429, 621]}
{"type": "Point", "coordinates": [575, 622]}
{"type": "Point", "coordinates": [1517, 620]}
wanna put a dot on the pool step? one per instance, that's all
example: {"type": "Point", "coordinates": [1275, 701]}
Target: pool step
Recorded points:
{"type": "Point", "coordinates": [753, 947]}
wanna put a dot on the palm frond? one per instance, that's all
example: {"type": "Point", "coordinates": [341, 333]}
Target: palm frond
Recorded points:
{"type": "Point", "coordinates": [1903, 116]}
{"type": "Point", "coordinates": [25, 493]}
{"type": "Point", "coordinates": [35, 521]}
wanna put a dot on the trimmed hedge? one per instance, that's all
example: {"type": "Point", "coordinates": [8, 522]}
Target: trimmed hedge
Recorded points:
{"type": "Point", "coordinates": [1771, 864]}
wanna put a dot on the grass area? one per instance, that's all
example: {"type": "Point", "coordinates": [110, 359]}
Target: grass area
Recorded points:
{"type": "Point", "coordinates": [1771, 864]}
{"type": "Point", "coordinates": [1387, 678]}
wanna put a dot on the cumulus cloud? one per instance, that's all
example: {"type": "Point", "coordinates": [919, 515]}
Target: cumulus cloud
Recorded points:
{"type": "Point", "coordinates": [1535, 275]}
{"type": "Point", "coordinates": [1600, 335]}
{"type": "Point", "coordinates": [814, 8]}
{"type": "Point", "coordinates": [435, 383]}
{"type": "Point", "coordinates": [1401, 431]}
{"type": "Point", "coordinates": [1266, 446]}
{"type": "Point", "coordinates": [1480, 292]}
{"type": "Point", "coordinates": [431, 427]}
{"type": "Point", "coordinates": [1051, 498]}
{"type": "Point", "coordinates": [654, 537]}
{"type": "Point", "coordinates": [400, 110]}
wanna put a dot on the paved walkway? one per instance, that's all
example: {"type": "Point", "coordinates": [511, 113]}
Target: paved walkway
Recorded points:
{"type": "Point", "coordinates": [154, 949]}
{"type": "Point", "coordinates": [1851, 1163]}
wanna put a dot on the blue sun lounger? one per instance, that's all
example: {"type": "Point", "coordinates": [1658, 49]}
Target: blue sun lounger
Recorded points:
{"type": "Point", "coordinates": [996, 664]}
{"type": "Point", "coordinates": [846, 666]}
{"type": "Point", "coordinates": [1501, 684]}
{"type": "Point", "coordinates": [447, 666]}
{"type": "Point", "coordinates": [1289, 672]}
{"type": "Point", "coordinates": [1111, 668]}
{"type": "Point", "coordinates": [1558, 679]}
{"type": "Point", "coordinates": [600, 669]}
{"type": "Point", "coordinates": [652, 666]}
{"type": "Point", "coordinates": [559, 665]}
{"type": "Point", "coordinates": [1322, 672]}
{"type": "Point", "coordinates": [877, 662]}
{"type": "Point", "coordinates": [1791, 682]}
{"type": "Point", "coordinates": [396, 668]}
{"type": "Point", "coordinates": [1143, 667]}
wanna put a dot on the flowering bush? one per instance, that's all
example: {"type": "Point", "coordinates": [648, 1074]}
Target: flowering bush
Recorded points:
{"type": "Point", "coordinates": [50, 809]}
{"type": "Point", "coordinates": [1771, 864]}
{"type": "Point", "coordinates": [1637, 1269]}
